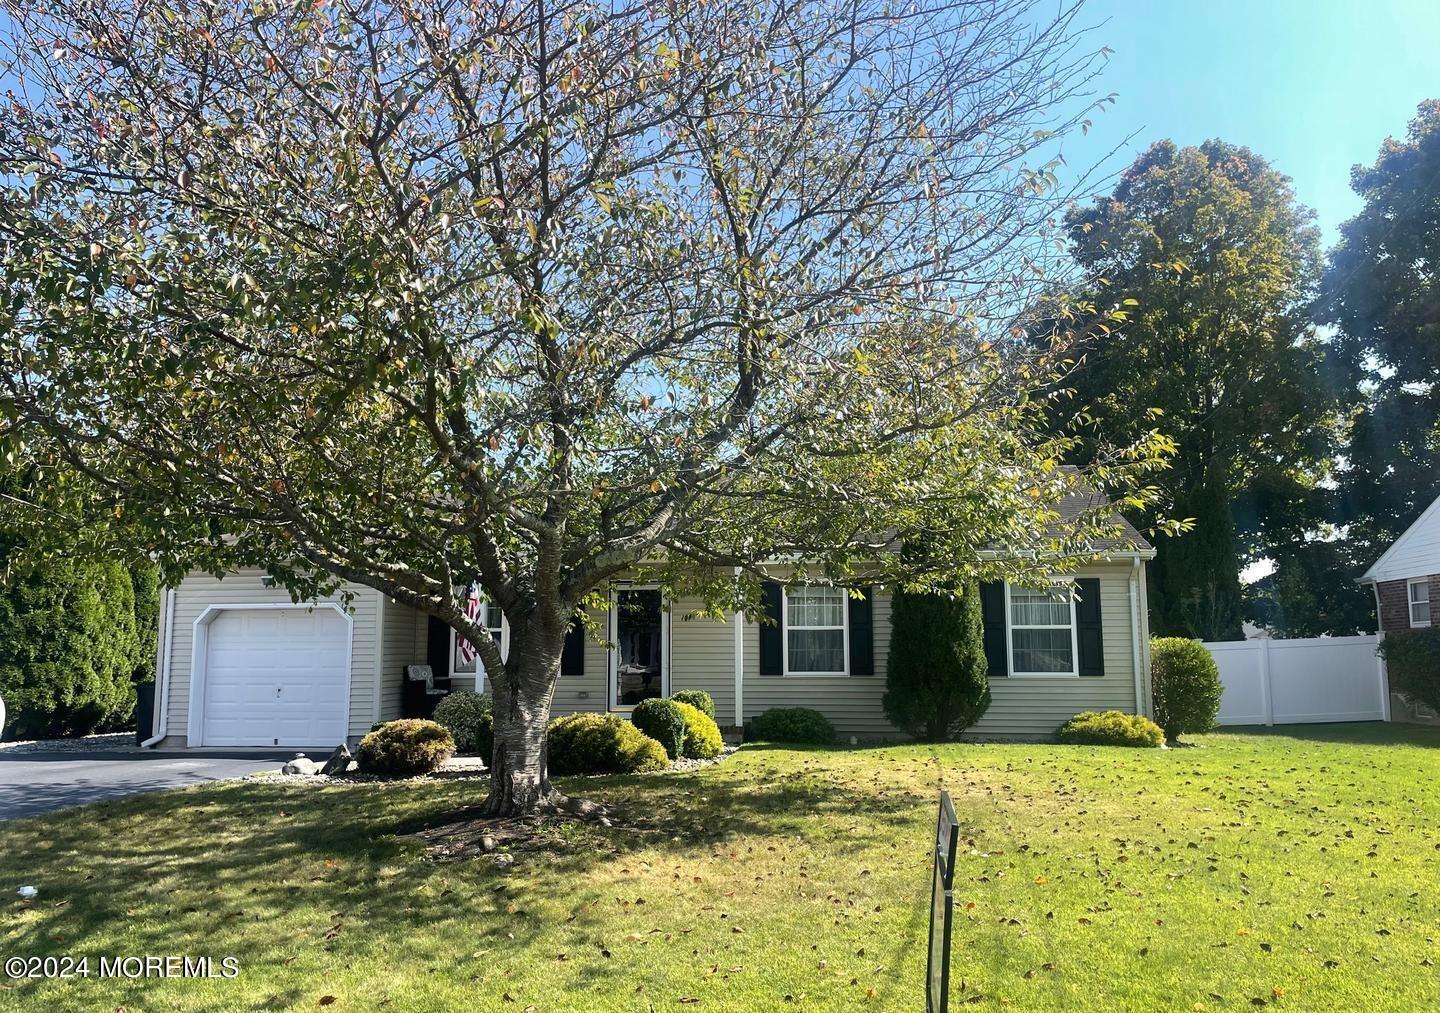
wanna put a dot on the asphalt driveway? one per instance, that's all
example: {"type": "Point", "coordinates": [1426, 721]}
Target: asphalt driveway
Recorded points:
{"type": "Point", "coordinates": [32, 783]}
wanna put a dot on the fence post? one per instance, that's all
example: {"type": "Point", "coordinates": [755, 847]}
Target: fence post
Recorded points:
{"type": "Point", "coordinates": [1384, 677]}
{"type": "Point", "coordinates": [1265, 696]}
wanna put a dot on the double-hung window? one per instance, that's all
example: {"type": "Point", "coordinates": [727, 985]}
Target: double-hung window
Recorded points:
{"type": "Point", "coordinates": [815, 632]}
{"type": "Point", "coordinates": [1041, 630]}
{"type": "Point", "coordinates": [1420, 602]}
{"type": "Point", "coordinates": [464, 660]}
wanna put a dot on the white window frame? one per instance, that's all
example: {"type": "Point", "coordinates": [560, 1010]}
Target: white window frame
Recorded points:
{"type": "Point", "coordinates": [844, 628]}
{"type": "Point", "coordinates": [1074, 672]}
{"type": "Point", "coordinates": [1410, 601]}
{"type": "Point", "coordinates": [479, 672]}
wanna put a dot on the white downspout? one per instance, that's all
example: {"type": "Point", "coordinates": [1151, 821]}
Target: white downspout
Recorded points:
{"type": "Point", "coordinates": [739, 663]}
{"type": "Point", "coordinates": [1380, 659]}
{"type": "Point", "coordinates": [1136, 652]}
{"type": "Point", "coordinates": [162, 671]}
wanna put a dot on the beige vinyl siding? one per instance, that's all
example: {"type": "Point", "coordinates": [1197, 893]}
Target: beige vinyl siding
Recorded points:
{"type": "Point", "coordinates": [1031, 706]}
{"type": "Point", "coordinates": [702, 656]}
{"type": "Point", "coordinates": [1020, 707]}
{"type": "Point", "coordinates": [701, 653]}
{"type": "Point", "coordinates": [586, 692]}
{"type": "Point", "coordinates": [852, 703]}
{"type": "Point", "coordinates": [398, 649]}
{"type": "Point", "coordinates": [198, 592]}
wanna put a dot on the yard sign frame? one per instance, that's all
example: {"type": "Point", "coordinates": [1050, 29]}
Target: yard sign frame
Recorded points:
{"type": "Point", "coordinates": [942, 904]}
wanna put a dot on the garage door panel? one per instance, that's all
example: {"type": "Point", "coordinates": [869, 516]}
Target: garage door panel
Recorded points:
{"type": "Point", "coordinates": [276, 677]}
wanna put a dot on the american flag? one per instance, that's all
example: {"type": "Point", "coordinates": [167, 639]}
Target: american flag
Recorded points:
{"type": "Point", "coordinates": [464, 650]}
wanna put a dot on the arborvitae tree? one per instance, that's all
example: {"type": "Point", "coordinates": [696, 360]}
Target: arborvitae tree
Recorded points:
{"type": "Point", "coordinates": [75, 639]}
{"type": "Point", "coordinates": [1197, 588]}
{"type": "Point", "coordinates": [935, 681]}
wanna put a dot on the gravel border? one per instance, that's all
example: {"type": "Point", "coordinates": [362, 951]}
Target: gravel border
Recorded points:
{"type": "Point", "coordinates": [459, 768]}
{"type": "Point", "coordinates": [118, 742]}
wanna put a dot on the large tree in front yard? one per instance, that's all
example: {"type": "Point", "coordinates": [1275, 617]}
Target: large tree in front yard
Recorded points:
{"type": "Point", "coordinates": [433, 293]}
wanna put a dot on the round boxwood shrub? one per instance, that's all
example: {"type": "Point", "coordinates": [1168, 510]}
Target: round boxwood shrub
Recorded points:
{"type": "Point", "coordinates": [470, 719]}
{"type": "Point", "coordinates": [405, 748]}
{"type": "Point", "coordinates": [662, 721]}
{"type": "Point", "coordinates": [1185, 684]}
{"type": "Point", "coordinates": [1111, 728]}
{"type": "Point", "coordinates": [698, 699]}
{"type": "Point", "coordinates": [790, 724]}
{"type": "Point", "coordinates": [602, 744]}
{"type": "Point", "coordinates": [702, 734]}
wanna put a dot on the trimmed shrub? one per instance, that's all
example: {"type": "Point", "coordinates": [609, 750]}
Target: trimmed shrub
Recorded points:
{"type": "Point", "coordinates": [702, 734]}
{"type": "Point", "coordinates": [697, 698]}
{"type": "Point", "coordinates": [405, 748]}
{"type": "Point", "coordinates": [1185, 684]}
{"type": "Point", "coordinates": [936, 679]}
{"type": "Point", "coordinates": [1111, 728]}
{"type": "Point", "coordinates": [602, 744]}
{"type": "Point", "coordinates": [469, 717]}
{"type": "Point", "coordinates": [790, 724]}
{"type": "Point", "coordinates": [662, 721]}
{"type": "Point", "coordinates": [76, 637]}
{"type": "Point", "coordinates": [1413, 660]}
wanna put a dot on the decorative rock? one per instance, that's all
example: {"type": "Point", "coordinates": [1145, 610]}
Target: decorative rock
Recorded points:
{"type": "Point", "coordinates": [302, 764]}
{"type": "Point", "coordinates": [338, 763]}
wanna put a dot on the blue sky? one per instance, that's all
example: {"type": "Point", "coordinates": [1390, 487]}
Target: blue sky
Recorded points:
{"type": "Point", "coordinates": [1313, 86]}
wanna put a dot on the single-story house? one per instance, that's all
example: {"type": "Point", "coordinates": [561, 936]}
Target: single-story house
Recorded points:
{"type": "Point", "coordinates": [241, 665]}
{"type": "Point", "coordinates": [1406, 582]}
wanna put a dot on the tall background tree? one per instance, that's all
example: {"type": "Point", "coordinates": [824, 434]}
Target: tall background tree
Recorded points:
{"type": "Point", "coordinates": [1381, 293]}
{"type": "Point", "coordinates": [1212, 262]}
{"type": "Point", "coordinates": [434, 293]}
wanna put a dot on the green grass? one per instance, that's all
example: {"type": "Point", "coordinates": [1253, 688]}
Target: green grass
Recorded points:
{"type": "Point", "coordinates": [1297, 867]}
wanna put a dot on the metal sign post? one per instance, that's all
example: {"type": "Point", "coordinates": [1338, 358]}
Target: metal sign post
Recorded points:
{"type": "Point", "coordinates": [942, 902]}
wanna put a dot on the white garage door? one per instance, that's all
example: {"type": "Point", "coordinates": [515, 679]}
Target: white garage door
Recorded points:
{"type": "Point", "coordinates": [276, 677]}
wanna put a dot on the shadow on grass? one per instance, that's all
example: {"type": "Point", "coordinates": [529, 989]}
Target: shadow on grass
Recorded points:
{"type": "Point", "coordinates": [213, 869]}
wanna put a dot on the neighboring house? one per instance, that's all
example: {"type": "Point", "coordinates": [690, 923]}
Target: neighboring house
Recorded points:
{"type": "Point", "coordinates": [241, 665]}
{"type": "Point", "coordinates": [1406, 582]}
{"type": "Point", "coordinates": [1402, 577]}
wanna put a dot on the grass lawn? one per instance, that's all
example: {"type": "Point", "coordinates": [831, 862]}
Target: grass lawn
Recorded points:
{"type": "Point", "coordinates": [1297, 868]}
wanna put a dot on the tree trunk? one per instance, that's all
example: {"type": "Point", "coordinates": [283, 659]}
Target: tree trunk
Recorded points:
{"type": "Point", "coordinates": [519, 778]}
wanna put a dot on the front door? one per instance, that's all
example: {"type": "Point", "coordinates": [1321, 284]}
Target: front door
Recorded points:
{"type": "Point", "coordinates": [639, 669]}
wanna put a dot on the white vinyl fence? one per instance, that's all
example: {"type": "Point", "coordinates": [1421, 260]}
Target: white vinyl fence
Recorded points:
{"type": "Point", "coordinates": [1287, 682]}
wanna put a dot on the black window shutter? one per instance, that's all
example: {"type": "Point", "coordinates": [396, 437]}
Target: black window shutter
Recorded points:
{"type": "Point", "coordinates": [862, 634]}
{"type": "Point", "coordinates": [437, 647]}
{"type": "Point", "coordinates": [992, 611]}
{"type": "Point", "coordinates": [1088, 636]}
{"type": "Point", "coordinates": [772, 633]}
{"type": "Point", "coordinates": [572, 656]}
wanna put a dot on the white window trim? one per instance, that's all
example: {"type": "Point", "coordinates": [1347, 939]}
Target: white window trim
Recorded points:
{"type": "Point", "coordinates": [1410, 602]}
{"type": "Point", "coordinates": [785, 640]}
{"type": "Point", "coordinates": [479, 672]}
{"type": "Point", "coordinates": [1074, 672]}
